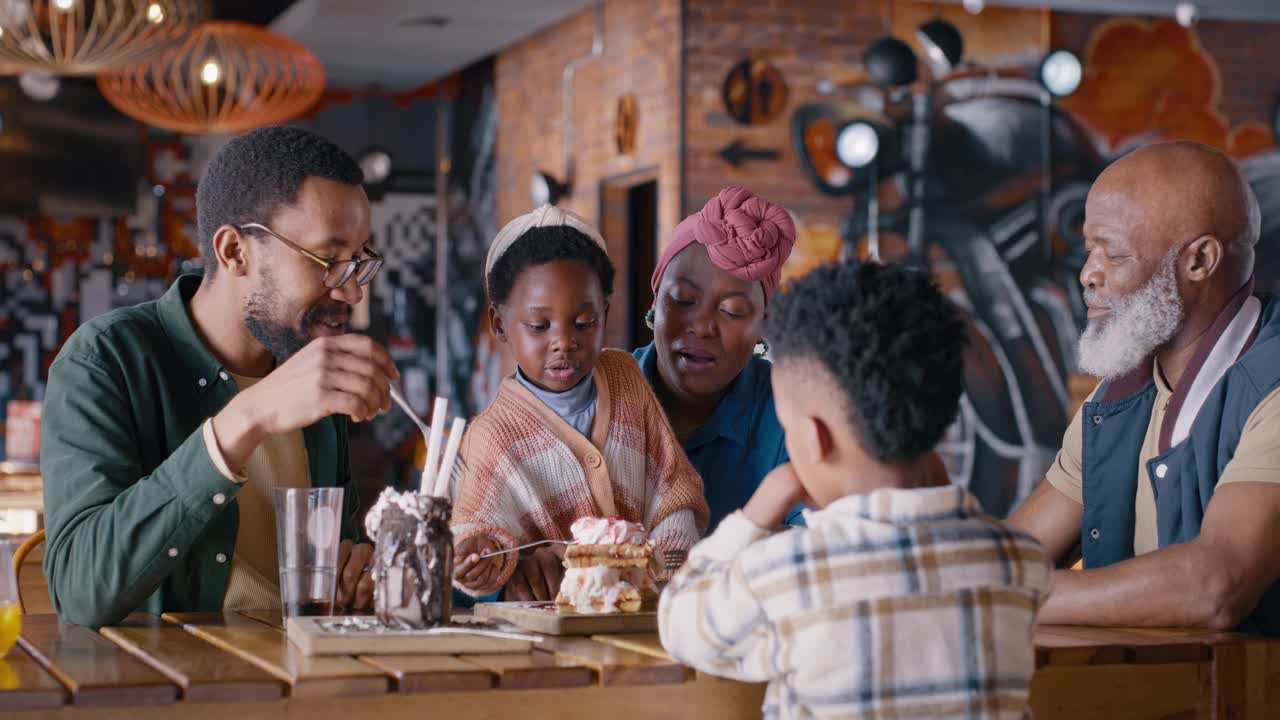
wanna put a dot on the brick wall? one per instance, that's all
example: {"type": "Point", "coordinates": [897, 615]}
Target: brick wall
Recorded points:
{"type": "Point", "coordinates": [808, 42]}
{"type": "Point", "coordinates": [641, 57]}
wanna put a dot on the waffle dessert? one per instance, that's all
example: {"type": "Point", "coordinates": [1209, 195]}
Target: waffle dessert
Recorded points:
{"type": "Point", "coordinates": [607, 567]}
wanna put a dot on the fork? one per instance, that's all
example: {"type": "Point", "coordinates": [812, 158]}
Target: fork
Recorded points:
{"type": "Point", "coordinates": [404, 405]}
{"type": "Point", "coordinates": [673, 560]}
{"type": "Point", "coordinates": [527, 545]}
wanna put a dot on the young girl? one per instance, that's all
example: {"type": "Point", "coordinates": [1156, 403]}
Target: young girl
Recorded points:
{"type": "Point", "coordinates": [576, 432]}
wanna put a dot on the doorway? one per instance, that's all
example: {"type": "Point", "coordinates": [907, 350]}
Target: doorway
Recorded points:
{"type": "Point", "coordinates": [629, 224]}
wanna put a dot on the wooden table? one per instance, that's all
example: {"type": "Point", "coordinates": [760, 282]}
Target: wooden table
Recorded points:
{"type": "Point", "coordinates": [241, 665]}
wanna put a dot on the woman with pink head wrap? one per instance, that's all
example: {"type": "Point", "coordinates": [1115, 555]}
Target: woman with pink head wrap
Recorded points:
{"type": "Point", "coordinates": [711, 288]}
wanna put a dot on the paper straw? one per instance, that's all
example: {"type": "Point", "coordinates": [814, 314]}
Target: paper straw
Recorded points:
{"type": "Point", "coordinates": [438, 416]}
{"type": "Point", "coordinates": [450, 457]}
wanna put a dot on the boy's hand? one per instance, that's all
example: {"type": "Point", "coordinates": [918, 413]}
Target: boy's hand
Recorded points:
{"type": "Point", "coordinates": [470, 569]}
{"type": "Point", "coordinates": [778, 493]}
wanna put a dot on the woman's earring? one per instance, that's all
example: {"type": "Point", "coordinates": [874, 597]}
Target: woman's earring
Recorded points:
{"type": "Point", "coordinates": [762, 347]}
{"type": "Point", "coordinates": [648, 319]}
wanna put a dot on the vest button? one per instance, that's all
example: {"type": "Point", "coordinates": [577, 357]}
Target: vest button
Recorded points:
{"type": "Point", "coordinates": [1097, 419]}
{"type": "Point", "coordinates": [593, 461]}
{"type": "Point", "coordinates": [1162, 470]}
{"type": "Point", "coordinates": [1094, 534]}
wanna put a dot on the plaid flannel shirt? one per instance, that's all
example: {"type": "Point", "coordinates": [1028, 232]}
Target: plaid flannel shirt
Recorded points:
{"type": "Point", "coordinates": [898, 603]}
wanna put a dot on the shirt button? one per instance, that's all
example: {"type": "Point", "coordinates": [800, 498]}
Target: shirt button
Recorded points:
{"type": "Point", "coordinates": [202, 382]}
{"type": "Point", "coordinates": [223, 375]}
{"type": "Point", "coordinates": [1162, 470]}
{"type": "Point", "coordinates": [220, 557]}
{"type": "Point", "coordinates": [1097, 419]}
{"type": "Point", "coordinates": [593, 461]}
{"type": "Point", "coordinates": [173, 552]}
{"type": "Point", "coordinates": [219, 498]}
{"type": "Point", "coordinates": [1094, 533]}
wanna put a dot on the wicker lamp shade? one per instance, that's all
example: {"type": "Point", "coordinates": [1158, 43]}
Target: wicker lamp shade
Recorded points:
{"type": "Point", "coordinates": [74, 37]}
{"type": "Point", "coordinates": [225, 77]}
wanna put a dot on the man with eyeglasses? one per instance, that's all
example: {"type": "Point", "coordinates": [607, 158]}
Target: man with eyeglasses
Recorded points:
{"type": "Point", "coordinates": [168, 424]}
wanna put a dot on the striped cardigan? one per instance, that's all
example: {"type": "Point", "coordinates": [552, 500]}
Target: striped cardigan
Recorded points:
{"type": "Point", "coordinates": [528, 475]}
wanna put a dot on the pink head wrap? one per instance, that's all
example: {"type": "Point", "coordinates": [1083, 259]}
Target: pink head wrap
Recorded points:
{"type": "Point", "coordinates": [745, 235]}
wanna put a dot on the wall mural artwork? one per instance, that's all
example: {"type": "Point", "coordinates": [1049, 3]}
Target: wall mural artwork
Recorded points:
{"type": "Point", "coordinates": [1003, 236]}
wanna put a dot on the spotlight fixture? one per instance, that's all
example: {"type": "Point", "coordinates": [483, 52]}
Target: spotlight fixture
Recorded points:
{"type": "Point", "coordinates": [375, 163]}
{"type": "Point", "coordinates": [1061, 73]}
{"type": "Point", "coordinates": [943, 43]}
{"type": "Point", "coordinates": [832, 143]}
{"type": "Point", "coordinates": [545, 189]}
{"type": "Point", "coordinates": [890, 62]}
{"type": "Point", "coordinates": [1186, 14]}
{"type": "Point", "coordinates": [974, 6]}
{"type": "Point", "coordinates": [857, 144]}
{"type": "Point", "coordinates": [39, 85]}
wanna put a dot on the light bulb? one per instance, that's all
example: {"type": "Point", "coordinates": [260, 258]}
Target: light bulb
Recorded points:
{"type": "Point", "coordinates": [857, 145]}
{"type": "Point", "coordinates": [155, 14]}
{"type": "Point", "coordinates": [210, 73]}
{"type": "Point", "coordinates": [1061, 73]}
{"type": "Point", "coordinates": [974, 6]}
{"type": "Point", "coordinates": [1186, 14]}
{"type": "Point", "coordinates": [64, 5]}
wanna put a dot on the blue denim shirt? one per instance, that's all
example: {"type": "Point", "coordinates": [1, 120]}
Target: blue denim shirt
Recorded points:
{"type": "Point", "coordinates": [739, 444]}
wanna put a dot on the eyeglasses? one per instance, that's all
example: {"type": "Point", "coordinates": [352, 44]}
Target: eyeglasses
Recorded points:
{"type": "Point", "coordinates": [336, 272]}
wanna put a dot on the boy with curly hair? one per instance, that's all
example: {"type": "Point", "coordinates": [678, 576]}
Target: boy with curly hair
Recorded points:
{"type": "Point", "coordinates": [901, 598]}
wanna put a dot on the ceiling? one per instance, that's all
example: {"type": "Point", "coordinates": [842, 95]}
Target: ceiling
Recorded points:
{"type": "Point", "coordinates": [1224, 9]}
{"type": "Point", "coordinates": [401, 44]}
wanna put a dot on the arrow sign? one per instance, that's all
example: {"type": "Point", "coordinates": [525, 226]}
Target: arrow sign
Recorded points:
{"type": "Point", "coordinates": [737, 152]}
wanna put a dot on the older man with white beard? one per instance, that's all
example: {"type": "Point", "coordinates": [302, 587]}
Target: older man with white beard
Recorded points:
{"type": "Point", "coordinates": [1169, 475]}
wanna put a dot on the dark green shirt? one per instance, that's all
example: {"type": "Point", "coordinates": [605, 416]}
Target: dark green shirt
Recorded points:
{"type": "Point", "coordinates": [138, 517]}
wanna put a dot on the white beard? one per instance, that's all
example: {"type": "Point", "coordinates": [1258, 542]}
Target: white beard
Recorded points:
{"type": "Point", "coordinates": [1138, 324]}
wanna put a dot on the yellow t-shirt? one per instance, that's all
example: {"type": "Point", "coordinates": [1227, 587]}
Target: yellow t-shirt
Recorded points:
{"type": "Point", "coordinates": [1257, 459]}
{"type": "Point", "coordinates": [280, 461]}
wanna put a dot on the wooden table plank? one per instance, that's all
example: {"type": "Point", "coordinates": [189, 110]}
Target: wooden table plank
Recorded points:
{"type": "Point", "coordinates": [94, 669]}
{"type": "Point", "coordinates": [432, 673]}
{"type": "Point", "coordinates": [266, 617]}
{"type": "Point", "coordinates": [535, 670]}
{"type": "Point", "coordinates": [649, 645]}
{"type": "Point", "coordinates": [1122, 692]}
{"type": "Point", "coordinates": [616, 666]}
{"type": "Point", "coordinates": [270, 649]}
{"type": "Point", "coordinates": [1055, 650]}
{"type": "Point", "coordinates": [1140, 648]}
{"type": "Point", "coordinates": [25, 685]}
{"type": "Point", "coordinates": [203, 671]}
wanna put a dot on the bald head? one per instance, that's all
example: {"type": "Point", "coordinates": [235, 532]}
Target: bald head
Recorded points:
{"type": "Point", "coordinates": [1170, 231]}
{"type": "Point", "coordinates": [1175, 192]}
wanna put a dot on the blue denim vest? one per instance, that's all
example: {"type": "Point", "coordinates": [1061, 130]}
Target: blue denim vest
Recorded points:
{"type": "Point", "coordinates": [1183, 477]}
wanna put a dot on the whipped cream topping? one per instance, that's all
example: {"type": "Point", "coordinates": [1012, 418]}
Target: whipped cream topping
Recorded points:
{"type": "Point", "coordinates": [412, 504]}
{"type": "Point", "coordinates": [583, 586]}
{"type": "Point", "coordinates": [607, 531]}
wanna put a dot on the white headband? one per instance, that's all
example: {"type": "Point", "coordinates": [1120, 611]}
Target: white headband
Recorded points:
{"type": "Point", "coordinates": [545, 216]}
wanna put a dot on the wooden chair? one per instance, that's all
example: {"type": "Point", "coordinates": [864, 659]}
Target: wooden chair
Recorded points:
{"type": "Point", "coordinates": [20, 556]}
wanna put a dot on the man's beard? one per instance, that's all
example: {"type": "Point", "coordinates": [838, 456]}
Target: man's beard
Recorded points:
{"type": "Point", "coordinates": [280, 338]}
{"type": "Point", "coordinates": [1137, 325]}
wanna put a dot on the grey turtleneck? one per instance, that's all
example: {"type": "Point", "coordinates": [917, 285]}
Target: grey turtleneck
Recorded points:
{"type": "Point", "coordinates": [576, 406]}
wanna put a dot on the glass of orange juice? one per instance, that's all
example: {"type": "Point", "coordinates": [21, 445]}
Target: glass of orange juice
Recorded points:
{"type": "Point", "coordinates": [10, 612]}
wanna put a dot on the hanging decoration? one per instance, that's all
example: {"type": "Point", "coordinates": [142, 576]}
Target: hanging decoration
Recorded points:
{"type": "Point", "coordinates": [83, 37]}
{"type": "Point", "coordinates": [226, 77]}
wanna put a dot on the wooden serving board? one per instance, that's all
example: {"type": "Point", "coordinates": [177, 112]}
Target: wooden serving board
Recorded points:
{"type": "Point", "coordinates": [311, 637]}
{"type": "Point", "coordinates": [545, 617]}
